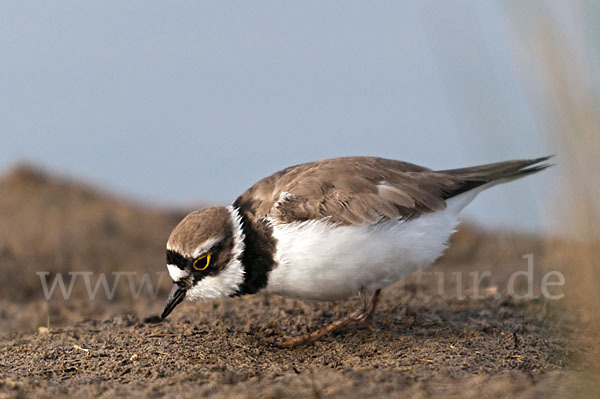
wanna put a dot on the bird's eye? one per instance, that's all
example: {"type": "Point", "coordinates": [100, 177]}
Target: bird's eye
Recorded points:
{"type": "Point", "coordinates": [202, 262]}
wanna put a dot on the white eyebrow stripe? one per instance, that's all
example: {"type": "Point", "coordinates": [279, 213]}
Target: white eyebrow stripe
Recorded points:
{"type": "Point", "coordinates": [171, 248]}
{"type": "Point", "coordinates": [176, 273]}
{"type": "Point", "coordinates": [206, 245]}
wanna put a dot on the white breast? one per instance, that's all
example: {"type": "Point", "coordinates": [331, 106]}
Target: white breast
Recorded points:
{"type": "Point", "coordinates": [320, 261]}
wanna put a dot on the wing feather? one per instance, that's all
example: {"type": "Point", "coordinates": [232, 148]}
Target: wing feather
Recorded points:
{"type": "Point", "coordinates": [359, 190]}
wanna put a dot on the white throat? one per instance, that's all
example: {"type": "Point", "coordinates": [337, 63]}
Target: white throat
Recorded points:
{"type": "Point", "coordinates": [228, 281]}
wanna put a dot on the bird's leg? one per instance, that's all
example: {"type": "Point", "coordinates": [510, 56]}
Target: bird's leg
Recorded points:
{"type": "Point", "coordinates": [366, 318]}
{"type": "Point", "coordinates": [359, 316]}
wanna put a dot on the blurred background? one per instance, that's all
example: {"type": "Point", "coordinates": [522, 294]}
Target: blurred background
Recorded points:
{"type": "Point", "coordinates": [194, 102]}
{"type": "Point", "coordinates": [118, 117]}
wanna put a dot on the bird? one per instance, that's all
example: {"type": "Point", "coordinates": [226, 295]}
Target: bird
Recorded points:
{"type": "Point", "coordinates": [327, 230]}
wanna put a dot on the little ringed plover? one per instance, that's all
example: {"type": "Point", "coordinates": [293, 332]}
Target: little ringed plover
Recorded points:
{"type": "Point", "coordinates": [327, 230]}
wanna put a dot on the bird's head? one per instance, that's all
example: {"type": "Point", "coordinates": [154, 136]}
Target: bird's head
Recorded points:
{"type": "Point", "coordinates": [204, 256]}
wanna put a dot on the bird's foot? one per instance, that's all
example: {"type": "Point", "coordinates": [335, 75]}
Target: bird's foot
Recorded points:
{"type": "Point", "coordinates": [362, 318]}
{"type": "Point", "coordinates": [367, 323]}
{"type": "Point", "coordinates": [292, 342]}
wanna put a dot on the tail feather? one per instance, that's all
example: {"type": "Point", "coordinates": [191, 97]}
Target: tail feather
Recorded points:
{"type": "Point", "coordinates": [494, 173]}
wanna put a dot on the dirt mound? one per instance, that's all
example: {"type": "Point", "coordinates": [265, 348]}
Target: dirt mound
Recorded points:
{"type": "Point", "coordinates": [54, 225]}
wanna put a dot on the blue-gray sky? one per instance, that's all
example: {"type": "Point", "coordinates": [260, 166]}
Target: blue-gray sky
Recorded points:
{"type": "Point", "coordinates": [186, 101]}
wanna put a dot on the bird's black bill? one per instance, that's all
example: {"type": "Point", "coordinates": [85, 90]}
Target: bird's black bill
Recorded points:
{"type": "Point", "coordinates": [177, 294]}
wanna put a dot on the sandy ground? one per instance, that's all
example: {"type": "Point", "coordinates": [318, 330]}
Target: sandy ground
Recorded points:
{"type": "Point", "coordinates": [432, 336]}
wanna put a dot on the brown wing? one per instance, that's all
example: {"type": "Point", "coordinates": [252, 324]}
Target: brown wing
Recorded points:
{"type": "Point", "coordinates": [358, 190]}
{"type": "Point", "coordinates": [352, 190]}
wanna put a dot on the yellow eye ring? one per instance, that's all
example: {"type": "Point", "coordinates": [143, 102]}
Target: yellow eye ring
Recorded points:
{"type": "Point", "coordinates": [199, 267]}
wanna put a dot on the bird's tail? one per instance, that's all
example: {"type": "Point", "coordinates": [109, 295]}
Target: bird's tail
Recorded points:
{"type": "Point", "coordinates": [471, 181]}
{"type": "Point", "coordinates": [494, 173]}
